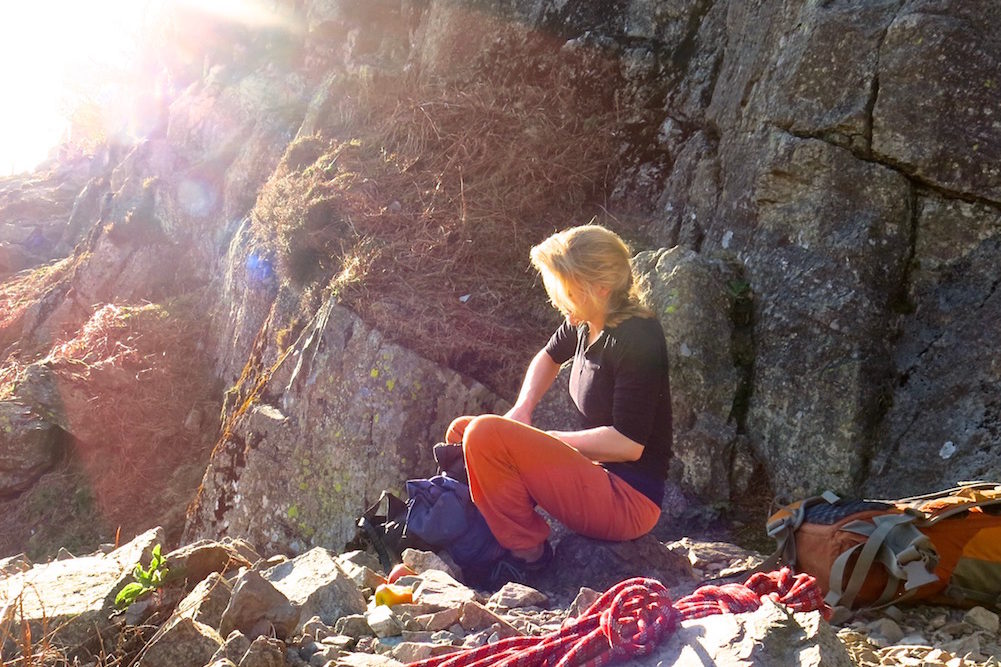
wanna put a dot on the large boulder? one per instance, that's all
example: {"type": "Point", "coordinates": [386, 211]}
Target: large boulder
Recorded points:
{"type": "Point", "coordinates": [247, 287]}
{"type": "Point", "coordinates": [315, 583]}
{"type": "Point", "coordinates": [828, 259]}
{"type": "Point", "coordinates": [33, 211]}
{"type": "Point", "coordinates": [181, 643]}
{"type": "Point", "coordinates": [771, 635]}
{"type": "Point", "coordinates": [454, 38]}
{"type": "Point", "coordinates": [822, 77]}
{"type": "Point", "coordinates": [258, 608]}
{"type": "Point", "coordinates": [599, 564]}
{"type": "Point", "coordinates": [72, 599]}
{"type": "Point", "coordinates": [356, 414]}
{"type": "Point", "coordinates": [936, 113]}
{"type": "Point", "coordinates": [210, 120]}
{"type": "Point", "coordinates": [352, 36]}
{"type": "Point", "coordinates": [86, 211]}
{"type": "Point", "coordinates": [693, 298]}
{"type": "Point", "coordinates": [944, 424]}
{"type": "Point", "coordinates": [196, 561]}
{"type": "Point", "coordinates": [29, 445]}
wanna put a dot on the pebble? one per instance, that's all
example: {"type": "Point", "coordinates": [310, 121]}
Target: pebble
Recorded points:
{"type": "Point", "coordinates": [384, 622]}
{"type": "Point", "coordinates": [513, 595]}
{"type": "Point", "coordinates": [894, 613]}
{"type": "Point", "coordinates": [913, 640]}
{"type": "Point", "coordinates": [443, 637]}
{"type": "Point", "coordinates": [982, 618]}
{"type": "Point", "coordinates": [969, 645]}
{"type": "Point", "coordinates": [888, 630]}
{"type": "Point", "coordinates": [439, 620]}
{"type": "Point", "coordinates": [323, 656]}
{"type": "Point", "coordinates": [476, 639]}
{"type": "Point", "coordinates": [585, 598]}
{"type": "Point", "coordinates": [386, 645]}
{"type": "Point", "coordinates": [339, 642]}
{"type": "Point", "coordinates": [354, 625]}
{"type": "Point", "coordinates": [418, 636]}
{"type": "Point", "coordinates": [317, 629]}
{"type": "Point", "coordinates": [420, 561]}
{"type": "Point", "coordinates": [938, 621]}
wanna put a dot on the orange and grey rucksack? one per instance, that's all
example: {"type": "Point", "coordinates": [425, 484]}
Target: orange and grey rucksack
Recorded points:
{"type": "Point", "coordinates": [941, 548]}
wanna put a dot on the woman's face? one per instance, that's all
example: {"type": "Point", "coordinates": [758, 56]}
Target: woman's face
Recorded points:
{"type": "Point", "coordinates": [585, 305]}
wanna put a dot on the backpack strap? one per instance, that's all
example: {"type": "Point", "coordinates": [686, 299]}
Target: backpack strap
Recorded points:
{"type": "Point", "coordinates": [781, 526]}
{"type": "Point", "coordinates": [905, 553]}
{"type": "Point", "coordinates": [385, 529]}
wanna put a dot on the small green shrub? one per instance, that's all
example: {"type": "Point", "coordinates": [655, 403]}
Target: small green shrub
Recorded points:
{"type": "Point", "coordinates": [146, 580]}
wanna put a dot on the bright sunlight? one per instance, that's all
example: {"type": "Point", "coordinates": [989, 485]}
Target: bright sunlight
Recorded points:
{"type": "Point", "coordinates": [70, 68]}
{"type": "Point", "coordinates": [46, 48]}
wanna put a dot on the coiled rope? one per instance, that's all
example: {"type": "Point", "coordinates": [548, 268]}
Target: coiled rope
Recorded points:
{"type": "Point", "coordinates": [632, 618]}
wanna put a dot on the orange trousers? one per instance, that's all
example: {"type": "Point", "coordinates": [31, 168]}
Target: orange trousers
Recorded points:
{"type": "Point", "coordinates": [513, 467]}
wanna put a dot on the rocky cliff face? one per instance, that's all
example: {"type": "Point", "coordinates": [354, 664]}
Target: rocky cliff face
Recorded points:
{"type": "Point", "coordinates": [835, 144]}
{"type": "Point", "coordinates": [815, 186]}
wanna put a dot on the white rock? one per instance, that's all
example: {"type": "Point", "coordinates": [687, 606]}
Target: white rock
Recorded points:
{"type": "Point", "coordinates": [440, 590]}
{"type": "Point", "coordinates": [982, 618]}
{"type": "Point", "coordinates": [513, 595]}
{"type": "Point", "coordinates": [969, 645]}
{"type": "Point", "coordinates": [887, 629]}
{"type": "Point", "coordinates": [421, 561]}
{"type": "Point", "coordinates": [384, 622]}
{"type": "Point", "coordinates": [913, 640]}
{"type": "Point", "coordinates": [772, 635]}
{"type": "Point", "coordinates": [316, 584]}
{"type": "Point", "coordinates": [73, 598]}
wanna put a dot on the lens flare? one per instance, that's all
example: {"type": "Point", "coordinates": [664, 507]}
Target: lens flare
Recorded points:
{"type": "Point", "coordinates": [78, 73]}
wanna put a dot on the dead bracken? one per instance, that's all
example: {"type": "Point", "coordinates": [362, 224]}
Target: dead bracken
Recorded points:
{"type": "Point", "coordinates": [417, 203]}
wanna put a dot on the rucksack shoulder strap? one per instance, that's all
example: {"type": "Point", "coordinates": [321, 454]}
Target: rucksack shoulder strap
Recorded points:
{"type": "Point", "coordinates": [893, 541]}
{"type": "Point", "coordinates": [781, 526]}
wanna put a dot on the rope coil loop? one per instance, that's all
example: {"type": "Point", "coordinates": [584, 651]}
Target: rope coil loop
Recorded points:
{"type": "Point", "coordinates": [639, 616]}
{"type": "Point", "coordinates": [631, 618]}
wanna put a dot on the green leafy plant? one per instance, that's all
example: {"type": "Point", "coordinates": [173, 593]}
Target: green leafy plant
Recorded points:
{"type": "Point", "coordinates": [739, 288]}
{"type": "Point", "coordinates": [146, 580]}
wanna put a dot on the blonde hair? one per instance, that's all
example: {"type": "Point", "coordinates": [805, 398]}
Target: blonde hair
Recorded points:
{"type": "Point", "coordinates": [583, 259]}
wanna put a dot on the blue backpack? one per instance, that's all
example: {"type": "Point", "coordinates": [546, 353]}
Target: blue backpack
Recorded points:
{"type": "Point", "coordinates": [441, 514]}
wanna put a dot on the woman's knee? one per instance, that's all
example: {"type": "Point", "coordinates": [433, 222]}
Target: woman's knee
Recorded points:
{"type": "Point", "coordinates": [482, 433]}
{"type": "Point", "coordinates": [456, 430]}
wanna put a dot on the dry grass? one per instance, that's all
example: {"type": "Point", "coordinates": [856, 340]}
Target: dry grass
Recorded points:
{"type": "Point", "coordinates": [24, 290]}
{"type": "Point", "coordinates": [35, 644]}
{"type": "Point", "coordinates": [20, 645]}
{"type": "Point", "coordinates": [419, 203]}
{"type": "Point", "coordinates": [128, 385]}
{"type": "Point", "coordinates": [138, 367]}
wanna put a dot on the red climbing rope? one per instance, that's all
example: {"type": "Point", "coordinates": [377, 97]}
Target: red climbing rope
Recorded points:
{"type": "Point", "coordinates": [631, 618]}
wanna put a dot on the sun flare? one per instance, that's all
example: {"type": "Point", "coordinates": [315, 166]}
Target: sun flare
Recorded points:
{"type": "Point", "coordinates": [57, 56]}
{"type": "Point", "coordinates": [46, 46]}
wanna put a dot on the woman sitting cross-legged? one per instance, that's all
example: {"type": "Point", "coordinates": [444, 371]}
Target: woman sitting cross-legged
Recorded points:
{"type": "Point", "coordinates": [607, 480]}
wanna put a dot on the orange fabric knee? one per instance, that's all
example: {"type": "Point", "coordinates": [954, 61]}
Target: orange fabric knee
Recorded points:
{"type": "Point", "coordinates": [453, 434]}
{"type": "Point", "coordinates": [512, 467]}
